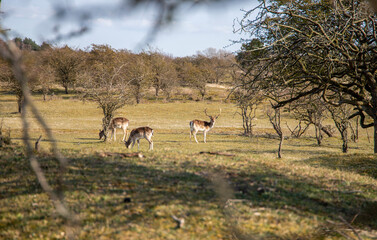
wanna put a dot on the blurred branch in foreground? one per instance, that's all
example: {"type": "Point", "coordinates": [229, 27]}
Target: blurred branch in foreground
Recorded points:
{"type": "Point", "coordinates": [10, 52]}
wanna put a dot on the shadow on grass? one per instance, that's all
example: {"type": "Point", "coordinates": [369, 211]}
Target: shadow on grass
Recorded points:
{"type": "Point", "coordinates": [275, 151]}
{"type": "Point", "coordinates": [363, 164]}
{"type": "Point", "coordinates": [99, 186]}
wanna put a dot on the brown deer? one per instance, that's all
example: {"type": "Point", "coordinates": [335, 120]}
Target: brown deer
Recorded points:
{"type": "Point", "coordinates": [199, 125]}
{"type": "Point", "coordinates": [119, 122]}
{"type": "Point", "coordinates": [140, 133]}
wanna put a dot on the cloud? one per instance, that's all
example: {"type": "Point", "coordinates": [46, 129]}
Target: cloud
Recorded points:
{"type": "Point", "coordinates": [103, 22]}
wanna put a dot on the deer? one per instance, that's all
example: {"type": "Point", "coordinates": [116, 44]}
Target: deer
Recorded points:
{"type": "Point", "coordinates": [140, 133]}
{"type": "Point", "coordinates": [199, 125]}
{"type": "Point", "coordinates": [119, 122]}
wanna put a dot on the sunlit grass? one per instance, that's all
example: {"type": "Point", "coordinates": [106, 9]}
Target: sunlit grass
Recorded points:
{"type": "Point", "coordinates": [300, 196]}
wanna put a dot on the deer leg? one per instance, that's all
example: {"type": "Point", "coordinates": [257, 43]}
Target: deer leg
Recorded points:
{"type": "Point", "coordinates": [138, 145]}
{"type": "Point", "coordinates": [133, 143]}
{"type": "Point", "coordinates": [194, 133]}
{"type": "Point", "coordinates": [190, 134]}
{"type": "Point", "coordinates": [115, 134]}
{"type": "Point", "coordinates": [150, 143]}
{"type": "Point", "coordinates": [124, 133]}
{"type": "Point", "coordinates": [112, 133]}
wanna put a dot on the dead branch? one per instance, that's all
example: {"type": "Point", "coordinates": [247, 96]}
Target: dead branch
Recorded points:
{"type": "Point", "coordinates": [12, 54]}
{"type": "Point", "coordinates": [218, 153]}
{"type": "Point", "coordinates": [37, 143]}
{"type": "Point", "coordinates": [125, 155]}
{"type": "Point", "coordinates": [350, 226]}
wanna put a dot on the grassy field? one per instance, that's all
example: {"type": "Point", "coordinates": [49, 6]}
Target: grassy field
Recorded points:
{"type": "Point", "coordinates": [313, 192]}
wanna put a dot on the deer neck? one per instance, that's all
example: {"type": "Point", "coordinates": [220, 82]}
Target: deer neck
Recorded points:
{"type": "Point", "coordinates": [211, 123]}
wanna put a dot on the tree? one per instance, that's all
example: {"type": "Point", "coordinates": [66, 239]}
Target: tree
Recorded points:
{"type": "Point", "coordinates": [27, 44]}
{"type": "Point", "coordinates": [220, 62]}
{"type": "Point", "coordinates": [163, 73]}
{"type": "Point", "coordinates": [194, 77]}
{"type": "Point", "coordinates": [45, 72]}
{"type": "Point", "coordinates": [66, 64]}
{"type": "Point", "coordinates": [319, 47]}
{"type": "Point", "coordinates": [8, 78]}
{"type": "Point", "coordinates": [312, 110]}
{"type": "Point", "coordinates": [138, 74]}
{"type": "Point", "coordinates": [341, 117]}
{"type": "Point", "coordinates": [247, 100]}
{"type": "Point", "coordinates": [247, 104]}
{"type": "Point", "coordinates": [105, 82]}
{"type": "Point", "coordinates": [274, 116]}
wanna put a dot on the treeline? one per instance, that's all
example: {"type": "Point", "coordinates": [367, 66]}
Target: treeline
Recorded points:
{"type": "Point", "coordinates": [101, 68]}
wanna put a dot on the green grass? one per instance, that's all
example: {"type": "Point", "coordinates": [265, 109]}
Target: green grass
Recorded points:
{"type": "Point", "coordinates": [252, 194]}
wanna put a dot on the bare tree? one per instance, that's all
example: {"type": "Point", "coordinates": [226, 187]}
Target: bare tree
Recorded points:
{"type": "Point", "coordinates": [274, 116]}
{"type": "Point", "coordinates": [163, 73]}
{"type": "Point", "coordinates": [298, 130]}
{"type": "Point", "coordinates": [66, 64]}
{"type": "Point", "coordinates": [325, 48]}
{"type": "Point", "coordinates": [341, 117]}
{"type": "Point", "coordinates": [105, 82]}
{"type": "Point", "coordinates": [247, 104]}
{"type": "Point", "coordinates": [138, 75]}
{"type": "Point", "coordinates": [194, 77]}
{"type": "Point", "coordinates": [312, 110]}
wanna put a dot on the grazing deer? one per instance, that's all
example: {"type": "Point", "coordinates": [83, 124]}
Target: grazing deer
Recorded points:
{"type": "Point", "coordinates": [199, 125]}
{"type": "Point", "coordinates": [140, 133]}
{"type": "Point", "coordinates": [119, 122]}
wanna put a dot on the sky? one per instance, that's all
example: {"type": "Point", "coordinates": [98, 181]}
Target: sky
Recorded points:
{"type": "Point", "coordinates": [193, 29]}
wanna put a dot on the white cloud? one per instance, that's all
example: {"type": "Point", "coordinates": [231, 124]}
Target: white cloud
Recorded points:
{"type": "Point", "coordinates": [104, 22]}
{"type": "Point", "coordinates": [136, 23]}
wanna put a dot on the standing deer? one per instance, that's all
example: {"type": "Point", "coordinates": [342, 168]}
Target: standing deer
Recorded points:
{"type": "Point", "coordinates": [119, 122]}
{"type": "Point", "coordinates": [140, 133]}
{"type": "Point", "coordinates": [199, 125]}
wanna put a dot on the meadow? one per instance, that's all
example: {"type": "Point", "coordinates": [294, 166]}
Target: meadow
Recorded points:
{"type": "Point", "coordinates": [313, 192]}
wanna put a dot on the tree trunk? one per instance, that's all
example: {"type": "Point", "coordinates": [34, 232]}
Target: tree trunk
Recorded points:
{"type": "Point", "coordinates": [20, 103]}
{"type": "Point", "coordinates": [106, 123]}
{"type": "Point", "coordinates": [157, 91]}
{"type": "Point", "coordinates": [318, 134]}
{"type": "Point", "coordinates": [345, 141]}
{"type": "Point", "coordinates": [280, 145]}
{"type": "Point", "coordinates": [66, 89]}
{"type": "Point", "coordinates": [375, 135]}
{"type": "Point", "coordinates": [327, 131]}
{"type": "Point", "coordinates": [203, 94]}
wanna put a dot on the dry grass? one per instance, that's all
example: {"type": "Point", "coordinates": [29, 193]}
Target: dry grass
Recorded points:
{"type": "Point", "coordinates": [300, 196]}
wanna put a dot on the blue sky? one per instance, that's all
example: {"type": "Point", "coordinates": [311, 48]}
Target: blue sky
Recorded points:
{"type": "Point", "coordinates": [192, 30]}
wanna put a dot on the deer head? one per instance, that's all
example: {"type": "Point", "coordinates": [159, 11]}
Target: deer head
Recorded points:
{"type": "Point", "coordinates": [213, 118]}
{"type": "Point", "coordinates": [101, 134]}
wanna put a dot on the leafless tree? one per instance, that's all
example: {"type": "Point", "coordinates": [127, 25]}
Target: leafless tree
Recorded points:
{"type": "Point", "coordinates": [299, 129]}
{"type": "Point", "coordinates": [66, 63]}
{"type": "Point", "coordinates": [319, 48]}
{"type": "Point", "coordinates": [163, 73]}
{"type": "Point", "coordinates": [274, 116]}
{"type": "Point", "coordinates": [139, 75]}
{"type": "Point", "coordinates": [341, 117]}
{"type": "Point", "coordinates": [312, 111]}
{"type": "Point", "coordinates": [105, 81]}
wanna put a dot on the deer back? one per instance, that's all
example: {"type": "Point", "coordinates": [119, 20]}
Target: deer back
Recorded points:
{"type": "Point", "coordinates": [141, 132]}
{"type": "Point", "coordinates": [119, 122]}
{"type": "Point", "coordinates": [201, 125]}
